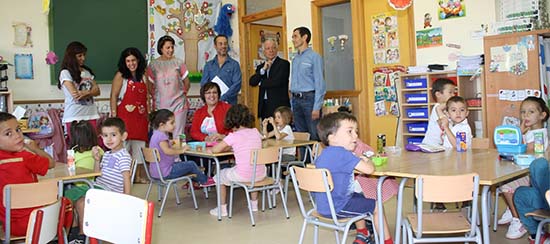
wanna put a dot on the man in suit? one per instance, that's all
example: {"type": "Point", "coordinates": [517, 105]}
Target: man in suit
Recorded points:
{"type": "Point", "coordinates": [272, 77]}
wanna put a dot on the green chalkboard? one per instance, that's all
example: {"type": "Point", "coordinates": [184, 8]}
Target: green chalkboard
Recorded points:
{"type": "Point", "coordinates": [105, 27]}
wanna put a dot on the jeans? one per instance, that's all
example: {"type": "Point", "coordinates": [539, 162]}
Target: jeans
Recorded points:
{"type": "Point", "coordinates": [180, 169]}
{"type": "Point", "coordinates": [301, 112]}
{"type": "Point", "coordinates": [531, 198]}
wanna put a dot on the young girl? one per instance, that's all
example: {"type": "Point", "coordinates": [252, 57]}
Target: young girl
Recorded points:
{"type": "Point", "coordinates": [163, 123]}
{"type": "Point", "coordinates": [83, 140]}
{"type": "Point", "coordinates": [243, 140]}
{"type": "Point", "coordinates": [129, 101]}
{"type": "Point", "coordinates": [281, 130]}
{"type": "Point", "coordinates": [79, 87]}
{"type": "Point", "coordinates": [533, 114]}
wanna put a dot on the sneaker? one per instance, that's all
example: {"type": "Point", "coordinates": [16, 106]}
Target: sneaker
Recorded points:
{"type": "Point", "coordinates": [362, 239]}
{"type": "Point", "coordinates": [440, 208]}
{"type": "Point", "coordinates": [506, 217]}
{"type": "Point", "coordinates": [254, 205]}
{"type": "Point", "coordinates": [209, 182]}
{"type": "Point", "coordinates": [544, 239]}
{"type": "Point", "coordinates": [515, 230]}
{"type": "Point", "coordinates": [80, 239]}
{"type": "Point", "coordinates": [214, 211]}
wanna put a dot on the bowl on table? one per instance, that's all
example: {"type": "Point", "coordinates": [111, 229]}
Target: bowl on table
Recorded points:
{"type": "Point", "coordinates": [379, 160]}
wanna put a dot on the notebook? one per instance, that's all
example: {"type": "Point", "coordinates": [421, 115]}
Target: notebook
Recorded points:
{"type": "Point", "coordinates": [424, 148]}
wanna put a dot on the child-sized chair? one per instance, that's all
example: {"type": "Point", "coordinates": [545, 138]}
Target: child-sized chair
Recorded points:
{"type": "Point", "coordinates": [320, 180]}
{"type": "Point", "coordinates": [43, 222]}
{"type": "Point", "coordinates": [270, 155]}
{"type": "Point", "coordinates": [152, 156]}
{"type": "Point", "coordinates": [449, 226]}
{"type": "Point", "coordinates": [117, 218]}
{"type": "Point", "coordinates": [30, 195]}
{"type": "Point", "coordinates": [541, 215]}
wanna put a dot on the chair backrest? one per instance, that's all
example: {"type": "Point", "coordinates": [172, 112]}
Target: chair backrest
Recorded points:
{"type": "Point", "coordinates": [302, 136]}
{"type": "Point", "coordinates": [29, 195]}
{"type": "Point", "coordinates": [317, 149]}
{"type": "Point", "coordinates": [451, 188]}
{"type": "Point", "coordinates": [151, 156]}
{"type": "Point", "coordinates": [266, 155]}
{"type": "Point", "coordinates": [313, 180]}
{"type": "Point", "coordinates": [43, 230]}
{"type": "Point", "coordinates": [117, 218]}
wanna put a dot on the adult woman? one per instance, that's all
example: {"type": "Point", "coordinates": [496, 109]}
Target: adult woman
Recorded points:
{"type": "Point", "coordinates": [129, 101]}
{"type": "Point", "coordinates": [78, 85]}
{"type": "Point", "coordinates": [208, 120]}
{"type": "Point", "coordinates": [170, 83]}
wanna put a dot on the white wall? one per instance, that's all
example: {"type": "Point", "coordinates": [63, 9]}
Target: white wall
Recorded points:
{"type": "Point", "coordinates": [29, 11]}
{"type": "Point", "coordinates": [298, 13]}
{"type": "Point", "coordinates": [455, 30]}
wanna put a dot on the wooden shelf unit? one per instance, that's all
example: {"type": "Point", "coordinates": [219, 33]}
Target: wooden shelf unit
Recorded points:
{"type": "Point", "coordinates": [467, 87]}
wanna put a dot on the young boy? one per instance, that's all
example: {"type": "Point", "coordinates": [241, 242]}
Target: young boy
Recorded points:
{"type": "Point", "coordinates": [339, 132]}
{"type": "Point", "coordinates": [115, 168]}
{"type": "Point", "coordinates": [456, 110]}
{"type": "Point", "coordinates": [20, 161]}
{"type": "Point", "coordinates": [442, 90]}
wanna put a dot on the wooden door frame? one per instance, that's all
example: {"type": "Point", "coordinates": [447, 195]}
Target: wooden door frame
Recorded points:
{"type": "Point", "coordinates": [244, 40]}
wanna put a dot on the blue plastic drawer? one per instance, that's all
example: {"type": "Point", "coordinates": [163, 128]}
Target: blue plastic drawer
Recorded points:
{"type": "Point", "coordinates": [416, 83]}
{"type": "Point", "coordinates": [415, 140]}
{"type": "Point", "coordinates": [416, 98]}
{"type": "Point", "coordinates": [417, 113]}
{"type": "Point", "coordinates": [419, 127]}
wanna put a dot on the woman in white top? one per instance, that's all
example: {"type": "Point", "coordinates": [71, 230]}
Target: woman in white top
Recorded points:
{"type": "Point", "coordinates": [79, 87]}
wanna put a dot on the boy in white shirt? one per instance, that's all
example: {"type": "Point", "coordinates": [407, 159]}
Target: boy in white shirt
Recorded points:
{"type": "Point", "coordinates": [453, 119]}
{"type": "Point", "coordinates": [442, 90]}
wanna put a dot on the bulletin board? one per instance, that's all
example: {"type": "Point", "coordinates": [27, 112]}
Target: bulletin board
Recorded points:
{"type": "Point", "coordinates": [105, 27]}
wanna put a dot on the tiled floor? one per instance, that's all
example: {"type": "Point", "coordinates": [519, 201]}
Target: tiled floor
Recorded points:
{"type": "Point", "coordinates": [183, 224]}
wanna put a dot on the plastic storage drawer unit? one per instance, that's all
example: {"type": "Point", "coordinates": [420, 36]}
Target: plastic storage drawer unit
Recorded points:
{"type": "Point", "coordinates": [417, 113]}
{"type": "Point", "coordinates": [420, 127]}
{"type": "Point", "coordinates": [416, 83]}
{"type": "Point", "coordinates": [415, 140]}
{"type": "Point", "coordinates": [416, 98]}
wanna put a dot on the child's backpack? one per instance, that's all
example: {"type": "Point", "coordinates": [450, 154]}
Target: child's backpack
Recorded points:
{"type": "Point", "coordinates": [39, 119]}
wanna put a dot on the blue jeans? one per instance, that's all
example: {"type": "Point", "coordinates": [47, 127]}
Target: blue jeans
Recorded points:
{"type": "Point", "coordinates": [301, 111]}
{"type": "Point", "coordinates": [531, 198]}
{"type": "Point", "coordinates": [184, 168]}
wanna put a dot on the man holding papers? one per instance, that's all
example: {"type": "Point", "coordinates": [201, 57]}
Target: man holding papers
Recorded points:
{"type": "Point", "coordinates": [224, 71]}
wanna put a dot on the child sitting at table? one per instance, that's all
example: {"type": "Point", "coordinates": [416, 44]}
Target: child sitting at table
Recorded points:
{"type": "Point", "coordinates": [455, 110]}
{"type": "Point", "coordinates": [83, 139]}
{"type": "Point", "coordinates": [281, 130]}
{"type": "Point", "coordinates": [163, 123]}
{"type": "Point", "coordinates": [114, 166]}
{"type": "Point", "coordinates": [533, 114]}
{"type": "Point", "coordinates": [244, 139]}
{"type": "Point", "coordinates": [20, 162]}
{"type": "Point", "coordinates": [442, 90]}
{"type": "Point", "coordinates": [338, 131]}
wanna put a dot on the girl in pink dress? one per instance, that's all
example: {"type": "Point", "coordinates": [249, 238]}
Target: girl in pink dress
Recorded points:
{"type": "Point", "coordinates": [169, 80]}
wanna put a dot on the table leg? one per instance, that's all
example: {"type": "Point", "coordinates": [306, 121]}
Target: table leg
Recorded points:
{"type": "Point", "coordinates": [399, 211]}
{"type": "Point", "coordinates": [380, 209]}
{"type": "Point", "coordinates": [485, 214]}
{"type": "Point", "coordinates": [218, 190]}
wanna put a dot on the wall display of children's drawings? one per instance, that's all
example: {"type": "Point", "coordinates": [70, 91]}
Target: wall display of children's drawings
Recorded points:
{"type": "Point", "coordinates": [517, 95]}
{"type": "Point", "coordinates": [380, 108]}
{"type": "Point", "coordinates": [385, 39]}
{"type": "Point", "coordinates": [509, 58]}
{"type": "Point", "coordinates": [451, 9]}
{"type": "Point", "coordinates": [22, 34]}
{"type": "Point", "coordinates": [385, 79]}
{"type": "Point", "coordinates": [23, 67]}
{"type": "Point", "coordinates": [432, 37]}
{"type": "Point", "coordinates": [190, 23]}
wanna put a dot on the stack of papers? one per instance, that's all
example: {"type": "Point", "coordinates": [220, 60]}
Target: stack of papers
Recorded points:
{"type": "Point", "coordinates": [417, 69]}
{"type": "Point", "coordinates": [469, 65]}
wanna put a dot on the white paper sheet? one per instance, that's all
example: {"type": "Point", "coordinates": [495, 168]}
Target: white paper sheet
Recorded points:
{"type": "Point", "coordinates": [223, 86]}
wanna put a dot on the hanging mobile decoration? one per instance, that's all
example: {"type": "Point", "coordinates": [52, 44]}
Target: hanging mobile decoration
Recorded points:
{"type": "Point", "coordinates": [400, 4]}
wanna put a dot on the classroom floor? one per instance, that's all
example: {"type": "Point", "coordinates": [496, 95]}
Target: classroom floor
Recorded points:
{"type": "Point", "coordinates": [183, 224]}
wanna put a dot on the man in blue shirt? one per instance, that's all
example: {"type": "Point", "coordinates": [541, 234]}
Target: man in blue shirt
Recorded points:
{"type": "Point", "coordinates": [307, 85]}
{"type": "Point", "coordinates": [225, 68]}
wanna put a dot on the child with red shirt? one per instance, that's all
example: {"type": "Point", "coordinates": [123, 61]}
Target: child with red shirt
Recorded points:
{"type": "Point", "coordinates": [20, 161]}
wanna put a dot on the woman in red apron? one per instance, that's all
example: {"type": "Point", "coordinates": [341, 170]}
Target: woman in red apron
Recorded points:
{"type": "Point", "coordinates": [129, 101]}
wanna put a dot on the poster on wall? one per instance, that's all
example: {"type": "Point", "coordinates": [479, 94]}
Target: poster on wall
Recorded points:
{"type": "Point", "coordinates": [23, 67]}
{"type": "Point", "coordinates": [385, 39]}
{"type": "Point", "coordinates": [509, 58]}
{"type": "Point", "coordinates": [385, 90]}
{"type": "Point", "coordinates": [451, 9]}
{"type": "Point", "coordinates": [429, 38]}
